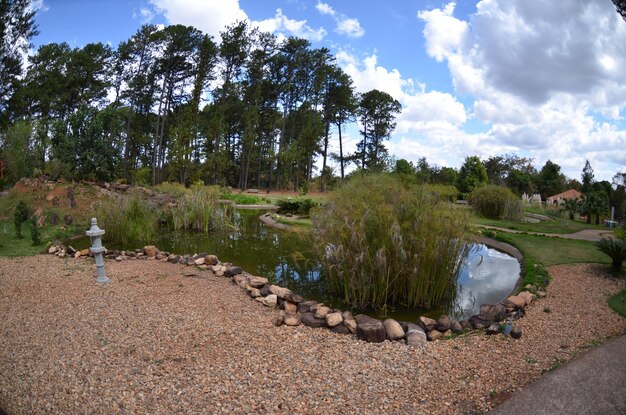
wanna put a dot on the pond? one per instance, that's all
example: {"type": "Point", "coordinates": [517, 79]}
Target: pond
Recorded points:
{"type": "Point", "coordinates": [286, 258]}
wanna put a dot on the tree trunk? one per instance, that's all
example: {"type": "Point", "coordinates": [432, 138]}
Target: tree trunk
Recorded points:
{"type": "Point", "coordinates": [340, 152]}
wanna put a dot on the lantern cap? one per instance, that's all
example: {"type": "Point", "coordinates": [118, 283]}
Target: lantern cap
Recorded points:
{"type": "Point", "coordinates": [94, 230]}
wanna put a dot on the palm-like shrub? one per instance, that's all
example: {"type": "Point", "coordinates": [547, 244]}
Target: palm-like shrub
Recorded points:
{"type": "Point", "coordinates": [497, 202]}
{"type": "Point", "coordinates": [616, 249]}
{"type": "Point", "coordinates": [383, 242]}
{"type": "Point", "coordinates": [571, 206]}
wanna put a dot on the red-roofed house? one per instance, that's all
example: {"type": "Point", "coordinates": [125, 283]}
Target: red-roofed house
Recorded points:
{"type": "Point", "coordinates": [571, 194]}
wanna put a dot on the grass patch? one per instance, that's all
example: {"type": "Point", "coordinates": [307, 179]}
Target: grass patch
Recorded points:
{"type": "Point", "coordinates": [554, 251]}
{"type": "Point", "coordinates": [618, 303]}
{"type": "Point", "coordinates": [12, 246]}
{"type": "Point", "coordinates": [293, 221]}
{"type": "Point", "coordinates": [243, 199]}
{"type": "Point", "coordinates": [557, 226]}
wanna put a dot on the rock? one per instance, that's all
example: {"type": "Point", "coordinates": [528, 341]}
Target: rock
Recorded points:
{"type": "Point", "coordinates": [443, 323]}
{"type": "Point", "coordinates": [350, 325]}
{"type": "Point", "coordinates": [290, 308]}
{"type": "Point", "coordinates": [219, 273]}
{"type": "Point", "coordinates": [322, 312]}
{"type": "Point", "coordinates": [199, 261]}
{"type": "Point", "coordinates": [541, 294]}
{"type": "Point", "coordinates": [516, 332]}
{"type": "Point", "coordinates": [347, 315]}
{"type": "Point", "coordinates": [150, 251]}
{"type": "Point", "coordinates": [294, 298]}
{"type": "Point", "coordinates": [68, 220]}
{"type": "Point", "coordinates": [333, 319]}
{"type": "Point", "coordinates": [211, 260]}
{"type": "Point", "coordinates": [518, 301]}
{"type": "Point", "coordinates": [466, 325]}
{"type": "Point", "coordinates": [494, 329]}
{"type": "Point", "coordinates": [292, 320]}
{"type": "Point", "coordinates": [393, 329]}
{"type": "Point", "coordinates": [456, 327]}
{"type": "Point", "coordinates": [426, 323]}
{"type": "Point", "coordinates": [71, 250]}
{"type": "Point", "coordinates": [85, 252]}
{"type": "Point", "coordinates": [40, 221]}
{"type": "Point", "coordinates": [340, 329]}
{"type": "Point", "coordinates": [415, 337]}
{"type": "Point", "coordinates": [77, 254]}
{"type": "Point", "coordinates": [173, 259]}
{"type": "Point", "coordinates": [190, 261]}
{"type": "Point", "coordinates": [364, 318]}
{"type": "Point", "coordinates": [254, 293]}
{"type": "Point", "coordinates": [371, 330]}
{"type": "Point", "coordinates": [239, 279]}
{"type": "Point", "coordinates": [434, 335]}
{"type": "Point", "coordinates": [54, 219]}
{"type": "Point", "coordinates": [480, 322]}
{"type": "Point", "coordinates": [265, 290]}
{"type": "Point", "coordinates": [257, 282]}
{"type": "Point", "coordinates": [53, 249]}
{"type": "Point", "coordinates": [495, 312]}
{"type": "Point", "coordinates": [528, 297]}
{"type": "Point", "coordinates": [269, 301]}
{"type": "Point", "coordinates": [119, 258]}
{"type": "Point", "coordinates": [233, 271]}
{"type": "Point", "coordinates": [161, 256]}
{"type": "Point", "coordinates": [309, 320]}
{"type": "Point", "coordinates": [279, 318]}
{"type": "Point", "coordinates": [447, 333]}
{"type": "Point", "coordinates": [279, 291]}
{"type": "Point", "coordinates": [530, 287]}
{"type": "Point", "coordinates": [305, 306]}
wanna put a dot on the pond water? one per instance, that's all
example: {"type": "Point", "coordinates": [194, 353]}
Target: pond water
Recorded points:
{"type": "Point", "coordinates": [286, 258]}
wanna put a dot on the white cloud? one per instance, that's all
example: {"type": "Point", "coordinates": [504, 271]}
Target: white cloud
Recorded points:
{"type": "Point", "coordinates": [540, 75]}
{"type": "Point", "coordinates": [324, 8]}
{"type": "Point", "coordinates": [282, 24]}
{"type": "Point", "coordinates": [211, 17]}
{"type": "Point", "coordinates": [348, 26]}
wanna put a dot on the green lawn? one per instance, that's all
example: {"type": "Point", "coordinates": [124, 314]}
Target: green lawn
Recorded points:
{"type": "Point", "coordinates": [558, 225]}
{"type": "Point", "coordinates": [10, 245]}
{"type": "Point", "coordinates": [618, 303]}
{"type": "Point", "coordinates": [554, 251]}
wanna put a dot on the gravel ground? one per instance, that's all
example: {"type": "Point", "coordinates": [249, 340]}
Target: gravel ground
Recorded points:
{"type": "Point", "coordinates": [156, 341]}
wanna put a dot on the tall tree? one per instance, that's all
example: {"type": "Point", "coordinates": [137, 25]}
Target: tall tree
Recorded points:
{"type": "Point", "coordinates": [550, 180]}
{"type": "Point", "coordinates": [587, 177]}
{"type": "Point", "coordinates": [472, 175]}
{"type": "Point", "coordinates": [377, 111]}
{"type": "Point", "coordinates": [620, 5]}
{"type": "Point", "coordinates": [17, 27]}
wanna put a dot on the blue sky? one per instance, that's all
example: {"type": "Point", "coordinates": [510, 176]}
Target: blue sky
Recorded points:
{"type": "Point", "coordinates": [536, 78]}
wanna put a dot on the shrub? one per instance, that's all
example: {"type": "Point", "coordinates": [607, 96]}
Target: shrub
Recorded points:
{"type": "Point", "coordinates": [197, 209]}
{"type": "Point", "coordinates": [241, 199]}
{"type": "Point", "coordinates": [172, 188]}
{"type": "Point", "coordinates": [496, 202]}
{"type": "Point", "coordinates": [296, 206]}
{"type": "Point", "coordinates": [616, 249]}
{"type": "Point", "coordinates": [382, 242]}
{"type": "Point", "coordinates": [35, 235]}
{"type": "Point", "coordinates": [20, 215]}
{"type": "Point", "coordinates": [128, 221]}
{"type": "Point", "coordinates": [443, 192]}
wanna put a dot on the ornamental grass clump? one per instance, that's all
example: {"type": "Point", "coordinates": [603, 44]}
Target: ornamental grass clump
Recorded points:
{"type": "Point", "coordinates": [382, 242]}
{"type": "Point", "coordinates": [497, 202]}
{"type": "Point", "coordinates": [197, 209]}
{"type": "Point", "coordinates": [129, 221]}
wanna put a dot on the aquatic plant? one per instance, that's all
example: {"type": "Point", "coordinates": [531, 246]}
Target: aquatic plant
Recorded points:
{"type": "Point", "coordinates": [129, 221]}
{"type": "Point", "coordinates": [383, 242]}
{"type": "Point", "coordinates": [197, 209]}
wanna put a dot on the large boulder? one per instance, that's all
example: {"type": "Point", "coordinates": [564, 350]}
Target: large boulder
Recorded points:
{"type": "Point", "coordinates": [393, 329]}
{"type": "Point", "coordinates": [443, 323]}
{"type": "Point", "coordinates": [427, 323]}
{"type": "Point", "coordinates": [495, 312]}
{"type": "Point", "coordinates": [364, 318]}
{"type": "Point", "coordinates": [309, 320]}
{"type": "Point", "coordinates": [371, 330]}
{"type": "Point", "coordinates": [150, 251]}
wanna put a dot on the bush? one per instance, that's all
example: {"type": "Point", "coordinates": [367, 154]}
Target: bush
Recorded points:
{"type": "Point", "coordinates": [20, 215]}
{"type": "Point", "coordinates": [296, 206]}
{"type": "Point", "coordinates": [497, 202]}
{"type": "Point", "coordinates": [35, 235]}
{"type": "Point", "coordinates": [382, 243]}
{"type": "Point", "coordinates": [443, 192]}
{"type": "Point", "coordinates": [172, 188]}
{"type": "Point", "coordinates": [614, 248]}
{"type": "Point", "coordinates": [128, 221]}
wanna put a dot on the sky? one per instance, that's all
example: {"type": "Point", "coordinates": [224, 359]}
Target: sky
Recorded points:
{"type": "Point", "coordinates": [541, 79]}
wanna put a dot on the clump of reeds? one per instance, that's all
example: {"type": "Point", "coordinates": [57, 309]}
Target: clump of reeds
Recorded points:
{"type": "Point", "coordinates": [198, 209]}
{"type": "Point", "coordinates": [172, 188]}
{"type": "Point", "coordinates": [128, 221]}
{"type": "Point", "coordinates": [383, 242]}
{"type": "Point", "coordinates": [497, 202]}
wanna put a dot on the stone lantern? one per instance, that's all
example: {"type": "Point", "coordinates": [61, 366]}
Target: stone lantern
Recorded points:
{"type": "Point", "coordinates": [95, 234]}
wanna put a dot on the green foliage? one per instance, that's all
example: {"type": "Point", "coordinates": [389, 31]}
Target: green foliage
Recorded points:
{"type": "Point", "coordinates": [550, 181]}
{"type": "Point", "coordinates": [172, 188]}
{"type": "Point", "coordinates": [497, 202]}
{"type": "Point", "coordinates": [384, 243]}
{"type": "Point", "coordinates": [448, 193]}
{"type": "Point", "coordinates": [197, 209]}
{"type": "Point", "coordinates": [128, 221]}
{"type": "Point", "coordinates": [614, 248]}
{"type": "Point", "coordinates": [20, 215]}
{"type": "Point", "coordinates": [35, 235]}
{"type": "Point", "coordinates": [534, 273]}
{"type": "Point", "coordinates": [472, 175]}
{"type": "Point", "coordinates": [295, 206]}
{"type": "Point", "coordinates": [618, 303]}
{"type": "Point", "coordinates": [242, 199]}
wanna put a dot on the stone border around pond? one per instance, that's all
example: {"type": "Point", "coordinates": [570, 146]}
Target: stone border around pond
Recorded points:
{"type": "Point", "coordinates": [294, 310]}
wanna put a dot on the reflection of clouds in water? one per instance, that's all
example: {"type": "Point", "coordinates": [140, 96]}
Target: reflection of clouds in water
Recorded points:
{"type": "Point", "coordinates": [487, 276]}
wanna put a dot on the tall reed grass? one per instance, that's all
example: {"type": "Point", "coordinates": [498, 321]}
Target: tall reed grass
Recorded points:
{"type": "Point", "coordinates": [497, 202]}
{"type": "Point", "coordinates": [198, 209]}
{"type": "Point", "coordinates": [128, 221]}
{"type": "Point", "coordinates": [382, 242]}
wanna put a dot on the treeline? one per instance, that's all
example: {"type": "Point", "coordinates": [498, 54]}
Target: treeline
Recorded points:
{"type": "Point", "coordinates": [173, 104]}
{"type": "Point", "coordinates": [519, 175]}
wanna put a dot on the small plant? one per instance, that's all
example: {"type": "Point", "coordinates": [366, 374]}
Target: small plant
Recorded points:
{"type": "Point", "coordinates": [35, 235]}
{"type": "Point", "coordinates": [616, 249]}
{"type": "Point", "coordinates": [295, 206]}
{"type": "Point", "coordinates": [20, 215]}
{"type": "Point", "coordinates": [547, 310]}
